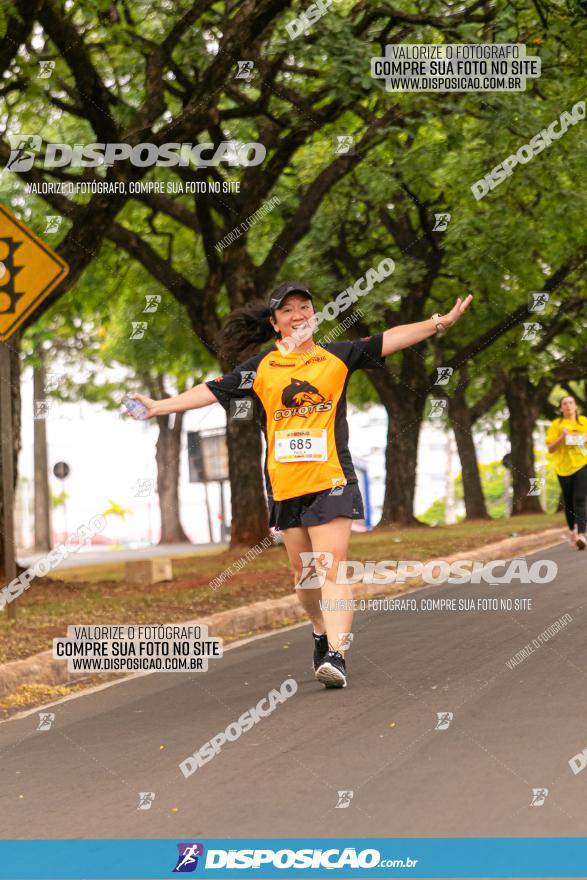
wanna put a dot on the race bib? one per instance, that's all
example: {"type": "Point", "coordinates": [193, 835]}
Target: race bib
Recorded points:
{"type": "Point", "coordinates": [301, 445]}
{"type": "Point", "coordinates": [575, 439]}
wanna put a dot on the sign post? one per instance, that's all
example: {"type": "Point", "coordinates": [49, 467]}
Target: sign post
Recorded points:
{"type": "Point", "coordinates": [29, 271]}
{"type": "Point", "coordinates": [61, 471]}
{"type": "Point", "coordinates": [7, 469]}
{"type": "Point", "coordinates": [208, 462]}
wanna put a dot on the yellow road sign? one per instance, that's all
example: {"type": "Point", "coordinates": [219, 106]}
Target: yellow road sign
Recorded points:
{"type": "Point", "coordinates": [29, 271]}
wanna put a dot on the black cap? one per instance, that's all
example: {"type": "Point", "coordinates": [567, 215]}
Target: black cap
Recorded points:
{"type": "Point", "coordinates": [282, 291]}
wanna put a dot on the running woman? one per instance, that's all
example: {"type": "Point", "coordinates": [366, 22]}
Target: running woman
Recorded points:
{"type": "Point", "coordinates": [297, 389]}
{"type": "Point", "coordinates": [566, 440]}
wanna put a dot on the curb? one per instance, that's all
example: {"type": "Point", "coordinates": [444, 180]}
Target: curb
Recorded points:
{"type": "Point", "coordinates": [269, 614]}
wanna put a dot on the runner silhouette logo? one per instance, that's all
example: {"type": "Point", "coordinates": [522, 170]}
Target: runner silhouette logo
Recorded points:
{"type": "Point", "coordinates": [187, 860]}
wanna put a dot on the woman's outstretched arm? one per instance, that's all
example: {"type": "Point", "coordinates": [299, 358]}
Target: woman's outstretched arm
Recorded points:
{"type": "Point", "coordinates": [410, 334]}
{"type": "Point", "coordinates": [194, 398]}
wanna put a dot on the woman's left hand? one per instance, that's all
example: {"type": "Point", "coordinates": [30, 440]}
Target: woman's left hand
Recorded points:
{"type": "Point", "coordinates": [457, 310]}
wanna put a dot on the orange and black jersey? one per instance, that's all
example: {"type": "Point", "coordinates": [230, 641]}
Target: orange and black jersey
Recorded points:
{"type": "Point", "coordinates": [299, 398]}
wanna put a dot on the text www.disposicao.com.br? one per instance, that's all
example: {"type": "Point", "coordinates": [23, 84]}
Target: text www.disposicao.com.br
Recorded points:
{"type": "Point", "coordinates": [135, 664]}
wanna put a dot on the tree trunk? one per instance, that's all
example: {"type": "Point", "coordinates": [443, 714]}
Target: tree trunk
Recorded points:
{"type": "Point", "coordinates": [404, 419]}
{"type": "Point", "coordinates": [250, 523]}
{"type": "Point", "coordinates": [167, 458]}
{"type": "Point", "coordinates": [462, 425]}
{"type": "Point", "coordinates": [523, 411]}
{"type": "Point", "coordinates": [450, 515]}
{"type": "Point", "coordinates": [405, 415]}
{"type": "Point", "coordinates": [14, 347]}
{"type": "Point", "coordinates": [249, 519]}
{"type": "Point", "coordinates": [41, 478]}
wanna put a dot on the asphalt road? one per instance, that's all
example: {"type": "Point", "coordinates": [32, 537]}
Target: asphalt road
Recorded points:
{"type": "Point", "coordinates": [512, 731]}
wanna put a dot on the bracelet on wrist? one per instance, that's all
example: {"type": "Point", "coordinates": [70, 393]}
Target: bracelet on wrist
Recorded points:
{"type": "Point", "coordinates": [439, 326]}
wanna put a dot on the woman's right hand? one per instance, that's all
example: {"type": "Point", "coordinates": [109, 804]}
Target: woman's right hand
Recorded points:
{"type": "Point", "coordinates": [151, 406]}
{"type": "Point", "coordinates": [564, 432]}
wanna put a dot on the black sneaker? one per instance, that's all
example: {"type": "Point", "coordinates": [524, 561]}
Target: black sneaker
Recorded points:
{"type": "Point", "coordinates": [320, 649]}
{"type": "Point", "coordinates": [581, 542]}
{"type": "Point", "coordinates": [332, 670]}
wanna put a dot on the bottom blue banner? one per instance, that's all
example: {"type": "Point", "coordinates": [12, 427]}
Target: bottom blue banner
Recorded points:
{"type": "Point", "coordinates": [508, 857]}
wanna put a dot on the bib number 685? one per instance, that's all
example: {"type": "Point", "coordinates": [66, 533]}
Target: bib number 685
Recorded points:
{"type": "Point", "coordinates": [300, 443]}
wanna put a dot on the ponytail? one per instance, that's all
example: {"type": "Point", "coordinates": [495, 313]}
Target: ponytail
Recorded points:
{"type": "Point", "coordinates": [245, 328]}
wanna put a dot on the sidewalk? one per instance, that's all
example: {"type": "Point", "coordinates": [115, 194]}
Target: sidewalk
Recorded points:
{"type": "Point", "coordinates": [106, 555]}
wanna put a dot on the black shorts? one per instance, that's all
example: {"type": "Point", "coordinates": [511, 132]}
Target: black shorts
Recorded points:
{"type": "Point", "coordinates": [317, 508]}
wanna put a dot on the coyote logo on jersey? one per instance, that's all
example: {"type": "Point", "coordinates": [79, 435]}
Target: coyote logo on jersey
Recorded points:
{"type": "Point", "coordinates": [301, 399]}
{"type": "Point", "coordinates": [299, 392]}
